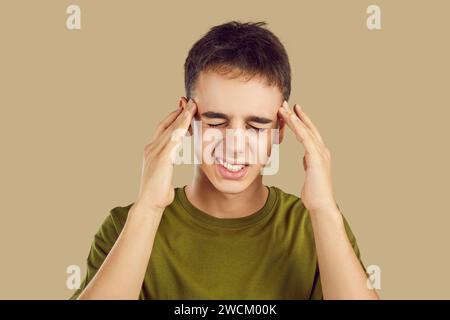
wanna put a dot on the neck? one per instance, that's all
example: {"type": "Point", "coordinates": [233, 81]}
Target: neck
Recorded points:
{"type": "Point", "coordinates": [226, 205]}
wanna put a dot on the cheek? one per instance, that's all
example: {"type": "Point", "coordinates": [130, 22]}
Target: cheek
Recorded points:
{"type": "Point", "coordinates": [260, 146]}
{"type": "Point", "coordinates": [205, 142]}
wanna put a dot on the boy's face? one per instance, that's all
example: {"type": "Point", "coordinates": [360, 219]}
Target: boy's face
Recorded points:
{"type": "Point", "coordinates": [235, 121]}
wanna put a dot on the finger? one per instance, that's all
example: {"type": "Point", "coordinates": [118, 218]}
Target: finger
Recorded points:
{"type": "Point", "coordinates": [304, 117]}
{"type": "Point", "coordinates": [164, 124]}
{"type": "Point", "coordinates": [303, 134]}
{"type": "Point", "coordinates": [177, 130]}
{"type": "Point", "coordinates": [316, 139]}
{"type": "Point", "coordinates": [290, 113]}
{"type": "Point", "coordinates": [183, 121]}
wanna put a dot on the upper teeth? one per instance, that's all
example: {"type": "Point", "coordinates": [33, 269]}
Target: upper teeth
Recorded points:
{"type": "Point", "coordinates": [231, 167]}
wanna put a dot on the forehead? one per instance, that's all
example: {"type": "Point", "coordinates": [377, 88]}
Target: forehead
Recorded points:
{"type": "Point", "coordinates": [236, 96]}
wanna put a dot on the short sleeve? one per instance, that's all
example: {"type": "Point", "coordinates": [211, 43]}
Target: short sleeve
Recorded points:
{"type": "Point", "coordinates": [316, 293]}
{"type": "Point", "coordinates": [102, 244]}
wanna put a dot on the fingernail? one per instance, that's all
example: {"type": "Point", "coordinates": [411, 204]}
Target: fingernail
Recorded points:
{"type": "Point", "coordinates": [285, 105]}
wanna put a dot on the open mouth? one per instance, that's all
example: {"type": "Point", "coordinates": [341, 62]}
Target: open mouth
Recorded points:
{"type": "Point", "coordinates": [230, 166]}
{"type": "Point", "coordinates": [231, 170]}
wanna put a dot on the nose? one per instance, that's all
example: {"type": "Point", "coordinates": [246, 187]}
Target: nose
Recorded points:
{"type": "Point", "coordinates": [236, 141]}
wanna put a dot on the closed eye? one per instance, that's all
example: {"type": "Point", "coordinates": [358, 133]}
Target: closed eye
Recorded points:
{"type": "Point", "coordinates": [256, 128]}
{"type": "Point", "coordinates": [215, 125]}
{"type": "Point", "coordinates": [212, 125]}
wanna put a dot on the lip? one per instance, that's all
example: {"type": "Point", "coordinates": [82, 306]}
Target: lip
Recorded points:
{"type": "Point", "coordinates": [232, 162]}
{"type": "Point", "coordinates": [231, 175]}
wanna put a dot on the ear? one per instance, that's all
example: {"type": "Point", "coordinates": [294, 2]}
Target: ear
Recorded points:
{"type": "Point", "coordinates": [281, 126]}
{"type": "Point", "coordinates": [182, 103]}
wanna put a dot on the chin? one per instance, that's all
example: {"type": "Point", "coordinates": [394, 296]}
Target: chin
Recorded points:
{"type": "Point", "coordinates": [230, 187]}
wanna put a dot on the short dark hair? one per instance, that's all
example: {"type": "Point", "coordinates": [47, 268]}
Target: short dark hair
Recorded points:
{"type": "Point", "coordinates": [247, 47]}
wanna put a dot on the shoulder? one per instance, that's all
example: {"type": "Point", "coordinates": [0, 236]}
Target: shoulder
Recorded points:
{"type": "Point", "coordinates": [290, 208]}
{"type": "Point", "coordinates": [286, 197]}
{"type": "Point", "coordinates": [117, 217]}
{"type": "Point", "coordinates": [288, 203]}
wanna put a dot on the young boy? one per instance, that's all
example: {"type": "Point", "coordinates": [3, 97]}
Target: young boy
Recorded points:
{"type": "Point", "coordinates": [226, 235]}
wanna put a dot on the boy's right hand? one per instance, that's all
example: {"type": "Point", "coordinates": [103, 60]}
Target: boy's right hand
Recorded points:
{"type": "Point", "coordinates": [156, 189]}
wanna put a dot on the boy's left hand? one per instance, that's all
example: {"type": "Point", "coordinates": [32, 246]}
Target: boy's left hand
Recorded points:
{"type": "Point", "coordinates": [317, 191]}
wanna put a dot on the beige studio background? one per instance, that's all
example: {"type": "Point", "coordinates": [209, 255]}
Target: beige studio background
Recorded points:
{"type": "Point", "coordinates": [77, 108]}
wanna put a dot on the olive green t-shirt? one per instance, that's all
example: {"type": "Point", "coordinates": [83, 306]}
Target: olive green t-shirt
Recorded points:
{"type": "Point", "coordinates": [269, 254]}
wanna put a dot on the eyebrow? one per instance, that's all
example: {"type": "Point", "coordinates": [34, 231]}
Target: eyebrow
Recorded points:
{"type": "Point", "coordinates": [215, 115]}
